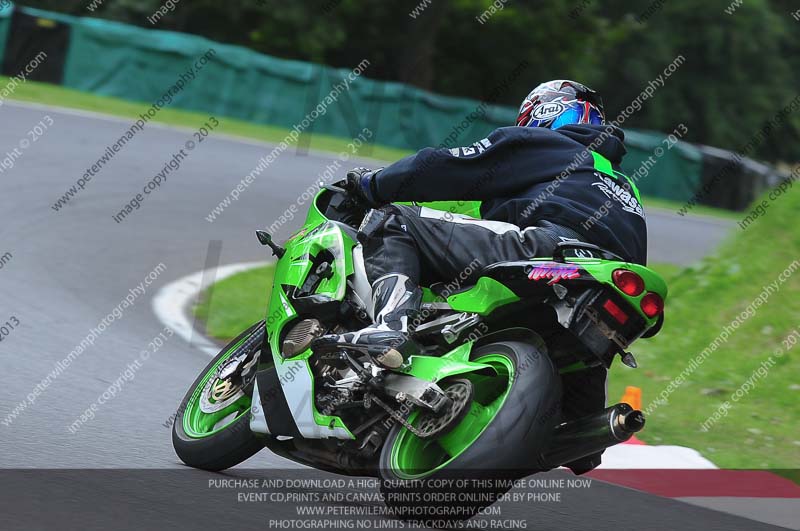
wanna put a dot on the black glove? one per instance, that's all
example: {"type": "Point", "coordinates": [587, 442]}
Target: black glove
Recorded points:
{"type": "Point", "coordinates": [360, 184]}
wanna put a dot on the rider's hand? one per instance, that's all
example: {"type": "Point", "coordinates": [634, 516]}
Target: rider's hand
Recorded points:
{"type": "Point", "coordinates": [360, 184]}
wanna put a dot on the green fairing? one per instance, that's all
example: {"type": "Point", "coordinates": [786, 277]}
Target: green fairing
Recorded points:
{"type": "Point", "coordinates": [430, 296]}
{"type": "Point", "coordinates": [467, 208]}
{"type": "Point", "coordinates": [292, 269]}
{"type": "Point", "coordinates": [434, 369]}
{"type": "Point", "coordinates": [280, 314]}
{"type": "Point", "coordinates": [317, 235]}
{"type": "Point", "coordinates": [483, 298]}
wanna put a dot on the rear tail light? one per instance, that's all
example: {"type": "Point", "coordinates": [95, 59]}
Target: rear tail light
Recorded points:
{"type": "Point", "coordinates": [615, 311]}
{"type": "Point", "coordinates": [628, 282]}
{"type": "Point", "coordinates": [652, 304]}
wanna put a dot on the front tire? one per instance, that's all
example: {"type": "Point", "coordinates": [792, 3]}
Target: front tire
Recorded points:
{"type": "Point", "coordinates": [220, 439]}
{"type": "Point", "coordinates": [510, 420]}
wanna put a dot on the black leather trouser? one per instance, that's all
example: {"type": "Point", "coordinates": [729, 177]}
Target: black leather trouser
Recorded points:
{"type": "Point", "coordinates": [432, 246]}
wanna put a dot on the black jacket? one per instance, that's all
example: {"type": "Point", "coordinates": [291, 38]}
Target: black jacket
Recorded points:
{"type": "Point", "coordinates": [524, 175]}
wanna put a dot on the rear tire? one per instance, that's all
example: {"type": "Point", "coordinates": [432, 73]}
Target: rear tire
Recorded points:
{"type": "Point", "coordinates": [505, 449]}
{"type": "Point", "coordinates": [232, 444]}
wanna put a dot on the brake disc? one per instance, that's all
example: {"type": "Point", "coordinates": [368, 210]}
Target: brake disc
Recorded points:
{"type": "Point", "coordinates": [430, 424]}
{"type": "Point", "coordinates": [225, 388]}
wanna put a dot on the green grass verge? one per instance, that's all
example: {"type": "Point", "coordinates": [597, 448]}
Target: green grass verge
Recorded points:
{"type": "Point", "coordinates": [234, 303]}
{"type": "Point", "coordinates": [760, 427]}
{"type": "Point", "coordinates": [63, 97]}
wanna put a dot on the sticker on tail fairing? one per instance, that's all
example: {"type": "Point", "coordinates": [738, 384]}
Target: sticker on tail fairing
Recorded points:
{"type": "Point", "coordinates": [553, 272]}
{"type": "Point", "coordinates": [470, 151]}
{"type": "Point", "coordinates": [620, 194]}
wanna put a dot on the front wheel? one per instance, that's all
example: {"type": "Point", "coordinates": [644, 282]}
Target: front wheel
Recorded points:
{"type": "Point", "coordinates": [510, 418]}
{"type": "Point", "coordinates": [212, 426]}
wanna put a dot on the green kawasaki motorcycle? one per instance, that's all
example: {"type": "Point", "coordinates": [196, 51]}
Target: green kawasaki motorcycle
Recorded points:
{"type": "Point", "coordinates": [482, 396]}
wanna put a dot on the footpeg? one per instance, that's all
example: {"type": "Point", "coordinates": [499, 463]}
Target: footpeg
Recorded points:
{"type": "Point", "coordinates": [450, 327]}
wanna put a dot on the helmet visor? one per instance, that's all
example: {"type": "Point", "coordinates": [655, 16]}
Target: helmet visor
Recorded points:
{"type": "Point", "coordinates": [586, 113]}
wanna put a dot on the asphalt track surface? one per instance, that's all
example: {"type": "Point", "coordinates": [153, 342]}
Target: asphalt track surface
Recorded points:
{"type": "Point", "coordinates": [71, 268]}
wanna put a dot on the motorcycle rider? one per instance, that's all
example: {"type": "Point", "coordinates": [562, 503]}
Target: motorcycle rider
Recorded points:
{"type": "Point", "coordinates": [552, 177]}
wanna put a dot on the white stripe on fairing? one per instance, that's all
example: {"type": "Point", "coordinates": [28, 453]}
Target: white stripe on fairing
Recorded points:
{"type": "Point", "coordinates": [295, 379]}
{"type": "Point", "coordinates": [258, 422]}
{"type": "Point", "coordinates": [172, 303]}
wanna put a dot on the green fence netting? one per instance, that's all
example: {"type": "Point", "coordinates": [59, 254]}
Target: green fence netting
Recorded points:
{"type": "Point", "coordinates": [5, 21]}
{"type": "Point", "coordinates": [660, 167]}
{"type": "Point", "coordinates": [133, 63]}
{"type": "Point", "coordinates": [125, 61]}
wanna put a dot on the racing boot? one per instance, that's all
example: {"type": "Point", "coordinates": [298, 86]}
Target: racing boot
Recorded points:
{"type": "Point", "coordinates": [396, 300]}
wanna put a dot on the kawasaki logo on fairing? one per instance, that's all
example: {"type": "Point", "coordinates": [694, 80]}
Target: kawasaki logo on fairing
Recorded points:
{"type": "Point", "coordinates": [619, 194]}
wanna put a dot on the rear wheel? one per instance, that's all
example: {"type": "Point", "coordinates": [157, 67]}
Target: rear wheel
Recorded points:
{"type": "Point", "coordinates": [509, 418]}
{"type": "Point", "coordinates": [212, 428]}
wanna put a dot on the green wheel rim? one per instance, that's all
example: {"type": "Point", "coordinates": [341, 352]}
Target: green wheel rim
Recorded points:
{"type": "Point", "coordinates": [199, 424]}
{"type": "Point", "coordinates": [415, 458]}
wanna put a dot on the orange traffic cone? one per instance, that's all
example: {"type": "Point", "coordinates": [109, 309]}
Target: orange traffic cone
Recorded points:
{"type": "Point", "coordinates": [633, 397]}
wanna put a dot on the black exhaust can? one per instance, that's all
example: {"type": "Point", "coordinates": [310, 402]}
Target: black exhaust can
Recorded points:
{"type": "Point", "coordinates": [591, 434]}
